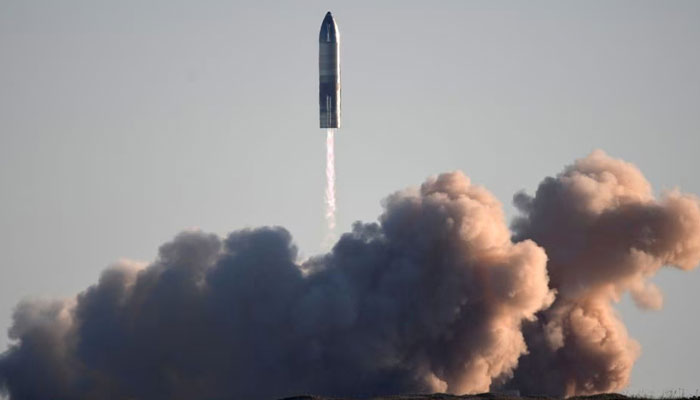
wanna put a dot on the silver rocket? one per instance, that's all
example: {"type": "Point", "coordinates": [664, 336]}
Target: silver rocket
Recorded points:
{"type": "Point", "coordinates": [329, 73]}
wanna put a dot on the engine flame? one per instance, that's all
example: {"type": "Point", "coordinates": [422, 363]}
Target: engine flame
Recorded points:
{"type": "Point", "coordinates": [330, 182]}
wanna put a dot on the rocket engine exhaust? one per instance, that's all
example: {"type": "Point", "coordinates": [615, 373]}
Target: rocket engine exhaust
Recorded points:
{"type": "Point", "coordinates": [330, 181]}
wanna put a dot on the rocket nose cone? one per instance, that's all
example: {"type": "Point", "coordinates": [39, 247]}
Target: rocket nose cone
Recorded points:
{"type": "Point", "coordinates": [328, 19]}
{"type": "Point", "coordinates": [329, 30]}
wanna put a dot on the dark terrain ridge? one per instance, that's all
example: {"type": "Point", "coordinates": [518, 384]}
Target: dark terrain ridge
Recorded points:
{"type": "Point", "coordinates": [488, 396]}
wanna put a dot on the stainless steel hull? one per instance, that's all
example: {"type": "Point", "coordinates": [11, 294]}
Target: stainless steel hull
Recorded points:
{"type": "Point", "coordinates": [329, 73]}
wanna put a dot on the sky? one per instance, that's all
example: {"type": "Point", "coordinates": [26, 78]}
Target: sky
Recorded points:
{"type": "Point", "coordinates": [123, 123]}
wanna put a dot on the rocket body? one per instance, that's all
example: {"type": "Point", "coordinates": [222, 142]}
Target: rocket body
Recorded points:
{"type": "Point", "coordinates": [329, 73]}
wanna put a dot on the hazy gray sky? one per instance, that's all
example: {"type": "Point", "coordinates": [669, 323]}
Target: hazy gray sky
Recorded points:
{"type": "Point", "coordinates": [122, 123]}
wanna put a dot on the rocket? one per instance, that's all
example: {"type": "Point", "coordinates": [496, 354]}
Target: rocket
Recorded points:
{"type": "Point", "coordinates": [329, 73]}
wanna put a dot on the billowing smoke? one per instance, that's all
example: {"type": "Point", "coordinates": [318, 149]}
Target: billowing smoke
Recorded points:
{"type": "Point", "coordinates": [436, 296]}
{"type": "Point", "coordinates": [605, 234]}
{"type": "Point", "coordinates": [430, 299]}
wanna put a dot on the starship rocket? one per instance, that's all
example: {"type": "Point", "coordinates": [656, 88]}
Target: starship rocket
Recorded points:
{"type": "Point", "coordinates": [329, 73]}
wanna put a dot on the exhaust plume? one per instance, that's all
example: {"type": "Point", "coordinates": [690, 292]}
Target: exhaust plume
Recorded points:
{"type": "Point", "coordinates": [330, 183]}
{"type": "Point", "coordinates": [605, 235]}
{"type": "Point", "coordinates": [437, 296]}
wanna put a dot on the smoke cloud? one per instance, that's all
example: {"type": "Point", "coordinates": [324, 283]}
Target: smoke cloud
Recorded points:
{"type": "Point", "coordinates": [431, 298]}
{"type": "Point", "coordinates": [439, 295]}
{"type": "Point", "coordinates": [605, 235]}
